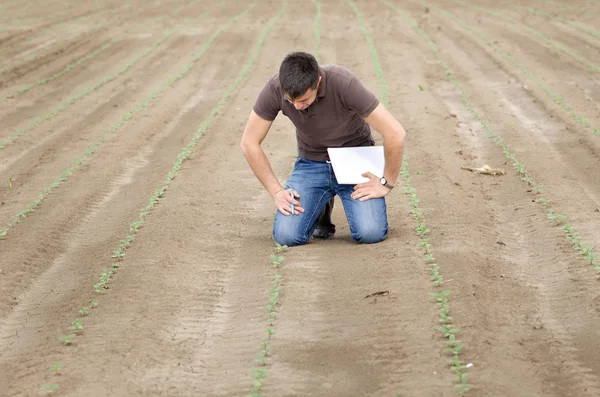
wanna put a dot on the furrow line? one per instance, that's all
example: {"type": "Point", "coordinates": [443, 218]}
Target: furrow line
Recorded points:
{"type": "Point", "coordinates": [555, 97]}
{"type": "Point", "coordinates": [581, 28]}
{"type": "Point", "coordinates": [21, 131]}
{"type": "Point", "coordinates": [19, 22]}
{"type": "Point", "coordinates": [535, 33]}
{"type": "Point", "coordinates": [447, 328]}
{"type": "Point", "coordinates": [92, 149]}
{"type": "Point", "coordinates": [64, 42]}
{"type": "Point", "coordinates": [119, 252]}
{"type": "Point", "coordinates": [55, 76]}
{"type": "Point", "coordinates": [40, 32]}
{"type": "Point", "coordinates": [585, 250]}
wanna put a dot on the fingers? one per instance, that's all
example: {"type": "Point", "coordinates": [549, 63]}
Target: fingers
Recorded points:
{"type": "Point", "coordinates": [292, 200]}
{"type": "Point", "coordinates": [360, 193]}
{"type": "Point", "coordinates": [287, 210]}
{"type": "Point", "coordinates": [284, 205]}
{"type": "Point", "coordinates": [284, 211]}
{"type": "Point", "coordinates": [368, 183]}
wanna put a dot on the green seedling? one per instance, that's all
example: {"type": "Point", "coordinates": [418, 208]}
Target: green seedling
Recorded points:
{"type": "Point", "coordinates": [555, 217]}
{"type": "Point", "coordinates": [454, 349]}
{"type": "Point", "coordinates": [119, 254]}
{"type": "Point", "coordinates": [84, 311]}
{"type": "Point", "coordinates": [66, 339]}
{"type": "Point", "coordinates": [77, 326]}
{"type": "Point", "coordinates": [543, 201]}
{"type": "Point", "coordinates": [444, 318]}
{"type": "Point", "coordinates": [440, 296]}
{"type": "Point", "coordinates": [276, 260]}
{"type": "Point", "coordinates": [447, 331]}
{"type": "Point", "coordinates": [55, 368]}
{"type": "Point", "coordinates": [93, 304]}
{"type": "Point", "coordinates": [462, 389]}
{"type": "Point", "coordinates": [49, 388]}
{"type": "Point", "coordinates": [421, 87]}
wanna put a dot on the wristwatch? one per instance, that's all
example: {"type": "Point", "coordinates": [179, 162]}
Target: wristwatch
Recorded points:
{"type": "Point", "coordinates": [385, 183]}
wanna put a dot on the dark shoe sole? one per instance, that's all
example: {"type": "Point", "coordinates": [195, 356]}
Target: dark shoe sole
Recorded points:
{"type": "Point", "coordinates": [324, 232]}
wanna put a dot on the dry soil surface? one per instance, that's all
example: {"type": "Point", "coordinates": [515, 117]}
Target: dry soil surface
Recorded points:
{"type": "Point", "coordinates": [130, 220]}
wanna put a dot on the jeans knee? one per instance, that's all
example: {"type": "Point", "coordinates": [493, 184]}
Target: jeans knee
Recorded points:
{"type": "Point", "coordinates": [370, 234]}
{"type": "Point", "coordinates": [288, 237]}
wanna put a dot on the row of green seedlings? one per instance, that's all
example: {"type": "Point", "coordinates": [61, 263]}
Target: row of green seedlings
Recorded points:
{"type": "Point", "coordinates": [585, 250]}
{"type": "Point", "coordinates": [75, 329]}
{"type": "Point", "coordinates": [447, 329]}
{"type": "Point", "coordinates": [103, 283]}
{"type": "Point", "coordinates": [21, 131]}
{"type": "Point", "coordinates": [56, 75]}
{"type": "Point", "coordinates": [449, 332]}
{"type": "Point", "coordinates": [555, 97]}
{"type": "Point", "coordinates": [92, 149]}
{"type": "Point", "coordinates": [534, 33]}
{"type": "Point", "coordinates": [259, 374]}
{"type": "Point", "coordinates": [584, 29]}
{"type": "Point", "coordinates": [119, 252]}
{"type": "Point", "coordinates": [60, 44]}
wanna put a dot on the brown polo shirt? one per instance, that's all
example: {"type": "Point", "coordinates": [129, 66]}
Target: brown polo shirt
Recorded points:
{"type": "Point", "coordinates": [335, 119]}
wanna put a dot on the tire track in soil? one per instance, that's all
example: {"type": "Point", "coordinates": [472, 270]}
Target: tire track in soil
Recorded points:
{"type": "Point", "coordinates": [49, 311]}
{"type": "Point", "coordinates": [544, 62]}
{"type": "Point", "coordinates": [57, 75]}
{"type": "Point", "coordinates": [8, 42]}
{"type": "Point", "coordinates": [330, 339]}
{"type": "Point", "coordinates": [31, 174]}
{"type": "Point", "coordinates": [563, 21]}
{"type": "Point", "coordinates": [90, 89]}
{"type": "Point", "coordinates": [523, 291]}
{"type": "Point", "coordinates": [80, 83]}
{"type": "Point", "coordinates": [32, 262]}
{"type": "Point", "coordinates": [557, 98]}
{"type": "Point", "coordinates": [554, 148]}
{"type": "Point", "coordinates": [583, 60]}
{"type": "Point", "coordinates": [63, 59]}
{"type": "Point", "coordinates": [11, 9]}
{"type": "Point", "coordinates": [32, 19]}
{"type": "Point", "coordinates": [142, 377]}
{"type": "Point", "coordinates": [42, 56]}
{"type": "Point", "coordinates": [48, 51]}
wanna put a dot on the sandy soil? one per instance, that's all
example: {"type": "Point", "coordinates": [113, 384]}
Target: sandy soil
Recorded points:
{"type": "Point", "coordinates": [98, 101]}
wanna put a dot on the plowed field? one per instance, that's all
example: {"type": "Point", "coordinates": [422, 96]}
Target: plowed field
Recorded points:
{"type": "Point", "coordinates": [136, 255]}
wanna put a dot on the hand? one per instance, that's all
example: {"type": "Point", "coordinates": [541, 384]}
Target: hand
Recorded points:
{"type": "Point", "coordinates": [371, 189]}
{"type": "Point", "coordinates": [283, 202]}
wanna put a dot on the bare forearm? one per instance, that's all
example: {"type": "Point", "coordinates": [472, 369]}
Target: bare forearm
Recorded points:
{"type": "Point", "coordinates": [393, 150]}
{"type": "Point", "coordinates": [261, 167]}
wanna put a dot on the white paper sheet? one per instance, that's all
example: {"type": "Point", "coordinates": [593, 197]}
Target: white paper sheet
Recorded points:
{"type": "Point", "coordinates": [350, 162]}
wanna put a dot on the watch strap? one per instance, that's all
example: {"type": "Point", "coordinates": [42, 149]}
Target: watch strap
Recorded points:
{"type": "Point", "coordinates": [386, 184]}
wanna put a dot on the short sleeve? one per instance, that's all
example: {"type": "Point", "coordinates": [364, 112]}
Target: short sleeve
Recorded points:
{"type": "Point", "coordinates": [268, 102]}
{"type": "Point", "coordinates": [358, 98]}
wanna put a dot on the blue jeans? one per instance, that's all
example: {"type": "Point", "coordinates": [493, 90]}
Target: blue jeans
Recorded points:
{"type": "Point", "coordinates": [316, 184]}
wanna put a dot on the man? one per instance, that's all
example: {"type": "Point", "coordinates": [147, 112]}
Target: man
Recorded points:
{"type": "Point", "coordinates": [329, 107]}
